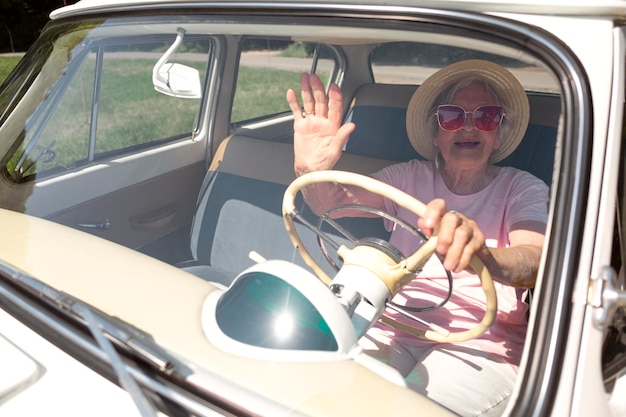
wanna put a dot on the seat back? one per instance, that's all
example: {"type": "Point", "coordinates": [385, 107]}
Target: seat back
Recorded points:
{"type": "Point", "coordinates": [240, 207]}
{"type": "Point", "coordinates": [379, 112]}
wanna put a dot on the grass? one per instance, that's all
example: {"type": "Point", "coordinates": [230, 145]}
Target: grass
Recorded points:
{"type": "Point", "coordinates": [7, 63]}
{"type": "Point", "coordinates": [131, 113]}
{"type": "Point", "coordinates": [261, 92]}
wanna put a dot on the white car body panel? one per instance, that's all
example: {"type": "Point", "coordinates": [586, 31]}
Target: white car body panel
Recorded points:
{"type": "Point", "coordinates": [41, 376]}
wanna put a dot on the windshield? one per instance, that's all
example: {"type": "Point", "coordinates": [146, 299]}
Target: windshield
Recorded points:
{"type": "Point", "coordinates": [145, 162]}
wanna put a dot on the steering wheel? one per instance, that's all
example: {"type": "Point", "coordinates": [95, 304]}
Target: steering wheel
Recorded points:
{"type": "Point", "coordinates": [381, 244]}
{"type": "Point", "coordinates": [393, 273]}
{"type": "Point", "coordinates": [327, 218]}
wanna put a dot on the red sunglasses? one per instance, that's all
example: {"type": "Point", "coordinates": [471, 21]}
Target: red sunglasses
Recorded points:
{"type": "Point", "coordinates": [486, 118]}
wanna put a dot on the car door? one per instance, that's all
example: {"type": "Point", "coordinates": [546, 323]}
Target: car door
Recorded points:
{"type": "Point", "coordinates": [607, 300]}
{"type": "Point", "coordinates": [596, 362]}
{"type": "Point", "coordinates": [136, 153]}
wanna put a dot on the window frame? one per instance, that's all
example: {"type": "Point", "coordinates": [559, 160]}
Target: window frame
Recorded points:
{"type": "Point", "coordinates": [44, 113]}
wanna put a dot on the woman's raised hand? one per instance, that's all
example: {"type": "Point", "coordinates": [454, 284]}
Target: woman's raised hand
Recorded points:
{"type": "Point", "coordinates": [319, 136]}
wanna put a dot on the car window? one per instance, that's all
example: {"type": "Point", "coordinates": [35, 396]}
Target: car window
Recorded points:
{"type": "Point", "coordinates": [412, 62]}
{"type": "Point", "coordinates": [268, 67]}
{"type": "Point", "coordinates": [106, 104]}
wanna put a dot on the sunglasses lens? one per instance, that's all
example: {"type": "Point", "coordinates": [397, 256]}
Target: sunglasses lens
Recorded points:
{"type": "Point", "coordinates": [488, 118]}
{"type": "Point", "coordinates": [450, 118]}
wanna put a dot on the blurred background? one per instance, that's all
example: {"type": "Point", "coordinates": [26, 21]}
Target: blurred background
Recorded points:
{"type": "Point", "coordinates": [21, 21]}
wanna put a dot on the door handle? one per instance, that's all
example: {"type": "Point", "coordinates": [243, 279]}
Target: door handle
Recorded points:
{"type": "Point", "coordinates": [104, 225]}
{"type": "Point", "coordinates": [605, 295]}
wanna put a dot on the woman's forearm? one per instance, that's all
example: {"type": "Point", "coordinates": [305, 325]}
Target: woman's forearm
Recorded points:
{"type": "Point", "coordinates": [515, 266]}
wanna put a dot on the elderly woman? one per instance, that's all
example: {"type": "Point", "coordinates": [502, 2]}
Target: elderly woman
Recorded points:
{"type": "Point", "coordinates": [464, 118]}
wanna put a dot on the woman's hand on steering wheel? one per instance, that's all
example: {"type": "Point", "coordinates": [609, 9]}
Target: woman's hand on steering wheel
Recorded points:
{"type": "Point", "coordinates": [459, 238]}
{"type": "Point", "coordinates": [463, 240]}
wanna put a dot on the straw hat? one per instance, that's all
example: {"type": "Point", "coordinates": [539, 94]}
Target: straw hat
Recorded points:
{"type": "Point", "coordinates": [509, 89]}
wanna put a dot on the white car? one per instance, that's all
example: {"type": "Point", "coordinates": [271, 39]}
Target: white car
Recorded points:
{"type": "Point", "coordinates": [146, 160]}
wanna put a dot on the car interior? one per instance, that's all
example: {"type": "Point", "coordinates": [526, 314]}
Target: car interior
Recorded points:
{"type": "Point", "coordinates": [241, 196]}
{"type": "Point", "coordinates": [249, 158]}
{"type": "Point", "coordinates": [240, 166]}
{"type": "Point", "coordinates": [229, 208]}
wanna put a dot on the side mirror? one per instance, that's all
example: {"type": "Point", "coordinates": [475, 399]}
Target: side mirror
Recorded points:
{"type": "Point", "coordinates": [173, 79]}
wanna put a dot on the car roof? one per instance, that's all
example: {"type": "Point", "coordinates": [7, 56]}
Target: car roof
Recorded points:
{"type": "Point", "coordinates": [553, 7]}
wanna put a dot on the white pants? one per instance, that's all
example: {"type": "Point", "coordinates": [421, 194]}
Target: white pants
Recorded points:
{"type": "Point", "coordinates": [463, 379]}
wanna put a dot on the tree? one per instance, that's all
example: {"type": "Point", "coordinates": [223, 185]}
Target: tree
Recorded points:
{"type": "Point", "coordinates": [21, 22]}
